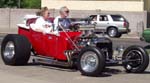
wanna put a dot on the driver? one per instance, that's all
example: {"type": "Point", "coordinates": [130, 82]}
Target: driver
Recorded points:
{"type": "Point", "coordinates": [62, 19]}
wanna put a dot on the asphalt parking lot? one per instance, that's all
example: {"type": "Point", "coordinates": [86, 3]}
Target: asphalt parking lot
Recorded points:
{"type": "Point", "coordinates": [32, 73]}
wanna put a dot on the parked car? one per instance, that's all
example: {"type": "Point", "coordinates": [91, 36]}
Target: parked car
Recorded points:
{"type": "Point", "coordinates": [90, 54]}
{"type": "Point", "coordinates": [114, 25]}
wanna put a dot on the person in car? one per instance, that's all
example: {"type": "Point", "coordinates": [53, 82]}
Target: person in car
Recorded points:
{"type": "Point", "coordinates": [43, 24]}
{"type": "Point", "coordinates": [62, 21]}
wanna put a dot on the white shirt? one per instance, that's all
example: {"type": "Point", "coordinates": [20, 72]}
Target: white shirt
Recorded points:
{"type": "Point", "coordinates": [43, 25]}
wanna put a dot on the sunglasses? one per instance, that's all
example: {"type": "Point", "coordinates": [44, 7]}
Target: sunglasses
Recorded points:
{"type": "Point", "coordinates": [67, 11]}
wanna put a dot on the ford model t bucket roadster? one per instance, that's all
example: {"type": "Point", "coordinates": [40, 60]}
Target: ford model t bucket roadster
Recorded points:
{"type": "Point", "coordinates": [90, 54]}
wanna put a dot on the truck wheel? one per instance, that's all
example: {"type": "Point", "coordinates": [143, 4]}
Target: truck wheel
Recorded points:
{"type": "Point", "coordinates": [112, 32]}
{"type": "Point", "coordinates": [91, 61]}
{"type": "Point", "coordinates": [15, 50]}
{"type": "Point", "coordinates": [135, 59]}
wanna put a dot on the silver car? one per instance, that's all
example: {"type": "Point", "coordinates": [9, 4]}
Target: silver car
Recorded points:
{"type": "Point", "coordinates": [113, 25]}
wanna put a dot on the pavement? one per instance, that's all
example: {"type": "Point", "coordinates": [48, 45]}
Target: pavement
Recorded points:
{"type": "Point", "coordinates": [132, 36]}
{"type": "Point", "coordinates": [35, 73]}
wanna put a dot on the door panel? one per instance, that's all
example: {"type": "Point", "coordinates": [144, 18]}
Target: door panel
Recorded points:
{"type": "Point", "coordinates": [50, 45]}
{"type": "Point", "coordinates": [37, 42]}
{"type": "Point", "coordinates": [102, 22]}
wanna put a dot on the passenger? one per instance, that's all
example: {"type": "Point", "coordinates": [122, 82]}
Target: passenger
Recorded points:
{"type": "Point", "coordinates": [43, 23]}
{"type": "Point", "coordinates": [62, 19]}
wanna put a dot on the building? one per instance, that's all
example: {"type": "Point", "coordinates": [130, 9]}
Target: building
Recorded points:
{"type": "Point", "coordinates": [104, 5]}
{"type": "Point", "coordinates": [136, 12]}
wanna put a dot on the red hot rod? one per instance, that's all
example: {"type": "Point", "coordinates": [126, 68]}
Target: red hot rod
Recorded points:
{"type": "Point", "coordinates": [90, 54]}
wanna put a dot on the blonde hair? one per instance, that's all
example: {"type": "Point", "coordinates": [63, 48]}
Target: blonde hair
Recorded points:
{"type": "Point", "coordinates": [42, 11]}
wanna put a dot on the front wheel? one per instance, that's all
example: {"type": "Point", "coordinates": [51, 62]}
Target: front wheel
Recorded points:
{"type": "Point", "coordinates": [91, 61]}
{"type": "Point", "coordinates": [135, 59]}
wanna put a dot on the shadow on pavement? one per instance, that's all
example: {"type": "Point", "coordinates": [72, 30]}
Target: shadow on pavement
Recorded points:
{"type": "Point", "coordinates": [106, 73]}
{"type": "Point", "coordinates": [54, 67]}
{"type": "Point", "coordinates": [145, 72]}
{"type": "Point", "coordinates": [112, 71]}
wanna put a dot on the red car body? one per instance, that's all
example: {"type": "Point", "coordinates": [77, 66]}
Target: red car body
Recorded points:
{"type": "Point", "coordinates": [49, 45]}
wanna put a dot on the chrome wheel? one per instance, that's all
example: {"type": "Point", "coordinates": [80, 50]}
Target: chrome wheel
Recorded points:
{"type": "Point", "coordinates": [15, 50]}
{"type": "Point", "coordinates": [89, 61]}
{"type": "Point", "coordinates": [112, 32]}
{"type": "Point", "coordinates": [134, 59]}
{"type": "Point", "coordinates": [9, 50]}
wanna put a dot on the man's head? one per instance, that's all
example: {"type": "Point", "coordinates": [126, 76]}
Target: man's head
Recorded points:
{"type": "Point", "coordinates": [64, 12]}
{"type": "Point", "coordinates": [45, 13]}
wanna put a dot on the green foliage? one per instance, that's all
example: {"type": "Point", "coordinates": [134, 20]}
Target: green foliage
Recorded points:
{"type": "Point", "coordinates": [8, 3]}
{"type": "Point", "coordinates": [33, 4]}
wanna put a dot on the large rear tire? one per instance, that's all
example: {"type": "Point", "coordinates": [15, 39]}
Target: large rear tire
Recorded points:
{"type": "Point", "coordinates": [91, 61]}
{"type": "Point", "coordinates": [135, 59]}
{"type": "Point", "coordinates": [15, 50]}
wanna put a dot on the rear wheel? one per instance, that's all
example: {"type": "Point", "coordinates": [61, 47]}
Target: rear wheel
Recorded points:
{"type": "Point", "coordinates": [119, 35]}
{"type": "Point", "coordinates": [136, 59]}
{"type": "Point", "coordinates": [113, 32]}
{"type": "Point", "coordinates": [15, 50]}
{"type": "Point", "coordinates": [91, 61]}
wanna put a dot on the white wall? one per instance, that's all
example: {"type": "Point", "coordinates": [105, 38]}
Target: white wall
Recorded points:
{"type": "Point", "coordinates": [93, 5]}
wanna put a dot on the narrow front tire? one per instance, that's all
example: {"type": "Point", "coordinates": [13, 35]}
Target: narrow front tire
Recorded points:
{"type": "Point", "coordinates": [135, 59]}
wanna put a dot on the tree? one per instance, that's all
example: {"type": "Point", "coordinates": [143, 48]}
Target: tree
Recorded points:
{"type": "Point", "coordinates": [8, 3]}
{"type": "Point", "coordinates": [31, 4]}
{"type": "Point", "coordinates": [20, 3]}
{"type": "Point", "coordinates": [1, 3]}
